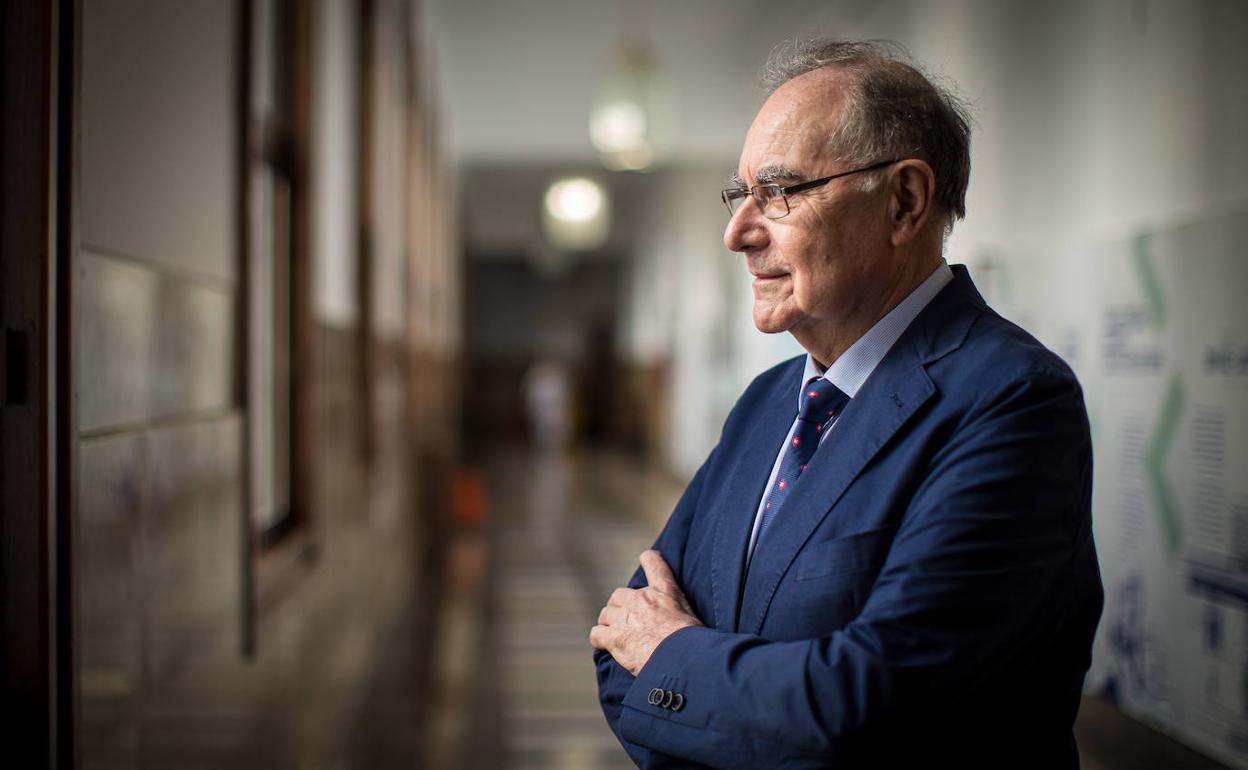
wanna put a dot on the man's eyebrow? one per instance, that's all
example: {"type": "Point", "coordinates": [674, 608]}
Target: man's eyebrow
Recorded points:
{"type": "Point", "coordinates": [735, 182]}
{"type": "Point", "coordinates": [775, 173]}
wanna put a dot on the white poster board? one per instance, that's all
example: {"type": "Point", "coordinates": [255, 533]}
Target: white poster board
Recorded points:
{"type": "Point", "coordinates": [1156, 326]}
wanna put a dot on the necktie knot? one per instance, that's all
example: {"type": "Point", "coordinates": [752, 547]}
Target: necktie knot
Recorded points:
{"type": "Point", "coordinates": [821, 401]}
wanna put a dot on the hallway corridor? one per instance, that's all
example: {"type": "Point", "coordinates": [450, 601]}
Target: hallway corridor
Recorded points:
{"type": "Point", "coordinates": [564, 531]}
{"type": "Point", "coordinates": [293, 293]}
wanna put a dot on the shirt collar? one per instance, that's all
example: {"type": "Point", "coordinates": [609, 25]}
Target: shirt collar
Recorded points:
{"type": "Point", "coordinates": [855, 365]}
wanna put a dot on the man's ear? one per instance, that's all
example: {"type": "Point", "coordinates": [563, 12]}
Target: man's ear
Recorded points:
{"type": "Point", "coordinates": [913, 195]}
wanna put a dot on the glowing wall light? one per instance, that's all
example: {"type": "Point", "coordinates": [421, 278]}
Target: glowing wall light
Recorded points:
{"type": "Point", "coordinates": [576, 214]}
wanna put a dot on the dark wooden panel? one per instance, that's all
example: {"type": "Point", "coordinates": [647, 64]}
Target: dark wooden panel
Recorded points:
{"type": "Point", "coordinates": [38, 69]}
{"type": "Point", "coordinates": [25, 578]}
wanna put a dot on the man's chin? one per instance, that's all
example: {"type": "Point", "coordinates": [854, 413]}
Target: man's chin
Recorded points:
{"type": "Point", "coordinates": [770, 321]}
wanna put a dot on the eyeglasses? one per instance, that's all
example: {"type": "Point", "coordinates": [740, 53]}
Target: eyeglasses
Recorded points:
{"type": "Point", "coordinates": [773, 200]}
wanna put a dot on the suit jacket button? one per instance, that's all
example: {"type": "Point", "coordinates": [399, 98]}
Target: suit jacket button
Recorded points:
{"type": "Point", "coordinates": [667, 699]}
{"type": "Point", "coordinates": [678, 702]}
{"type": "Point", "coordinates": [655, 696]}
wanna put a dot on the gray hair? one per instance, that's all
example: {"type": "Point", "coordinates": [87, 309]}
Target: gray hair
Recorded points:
{"type": "Point", "coordinates": [892, 110]}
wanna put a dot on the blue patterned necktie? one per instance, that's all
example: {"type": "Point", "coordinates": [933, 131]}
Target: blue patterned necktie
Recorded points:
{"type": "Point", "coordinates": [821, 401]}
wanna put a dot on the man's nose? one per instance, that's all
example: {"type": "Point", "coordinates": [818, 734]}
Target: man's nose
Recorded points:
{"type": "Point", "coordinates": [746, 229]}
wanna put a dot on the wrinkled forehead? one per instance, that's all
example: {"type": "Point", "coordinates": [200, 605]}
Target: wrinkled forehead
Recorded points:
{"type": "Point", "coordinates": [793, 128]}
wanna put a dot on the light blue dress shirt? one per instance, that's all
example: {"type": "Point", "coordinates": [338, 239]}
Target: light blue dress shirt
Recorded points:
{"type": "Point", "coordinates": [855, 365]}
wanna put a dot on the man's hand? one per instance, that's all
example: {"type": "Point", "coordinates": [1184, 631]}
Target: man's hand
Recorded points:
{"type": "Point", "coordinates": [634, 621]}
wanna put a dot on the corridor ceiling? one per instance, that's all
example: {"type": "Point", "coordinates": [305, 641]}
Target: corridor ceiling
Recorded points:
{"type": "Point", "coordinates": [518, 76]}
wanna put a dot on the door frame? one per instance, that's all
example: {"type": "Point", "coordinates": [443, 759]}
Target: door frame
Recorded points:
{"type": "Point", "coordinates": [39, 87]}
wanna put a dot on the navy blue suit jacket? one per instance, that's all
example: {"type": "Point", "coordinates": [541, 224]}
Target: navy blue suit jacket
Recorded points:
{"type": "Point", "coordinates": [927, 595]}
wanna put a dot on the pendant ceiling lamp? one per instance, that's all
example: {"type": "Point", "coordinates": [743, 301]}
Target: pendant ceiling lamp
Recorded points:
{"type": "Point", "coordinates": [629, 117]}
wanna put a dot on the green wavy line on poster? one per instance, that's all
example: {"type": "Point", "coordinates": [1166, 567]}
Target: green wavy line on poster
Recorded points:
{"type": "Point", "coordinates": [1146, 270]}
{"type": "Point", "coordinates": [1164, 433]}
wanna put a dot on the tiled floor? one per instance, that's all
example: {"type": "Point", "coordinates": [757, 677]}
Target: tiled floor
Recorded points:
{"type": "Point", "coordinates": [562, 531]}
{"type": "Point", "coordinates": [559, 545]}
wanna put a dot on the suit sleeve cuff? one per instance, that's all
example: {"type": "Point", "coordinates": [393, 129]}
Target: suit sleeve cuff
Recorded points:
{"type": "Point", "coordinates": [661, 689]}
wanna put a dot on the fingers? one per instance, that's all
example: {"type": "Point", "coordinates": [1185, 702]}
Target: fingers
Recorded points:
{"type": "Point", "coordinates": [636, 613]}
{"type": "Point", "coordinates": [658, 574]}
{"type": "Point", "coordinates": [601, 637]}
{"type": "Point", "coordinates": [613, 616]}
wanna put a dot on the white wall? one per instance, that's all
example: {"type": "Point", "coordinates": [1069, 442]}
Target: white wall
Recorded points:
{"type": "Point", "coordinates": [335, 140]}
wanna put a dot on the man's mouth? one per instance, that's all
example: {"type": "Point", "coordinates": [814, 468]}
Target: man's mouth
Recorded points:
{"type": "Point", "coordinates": [768, 276]}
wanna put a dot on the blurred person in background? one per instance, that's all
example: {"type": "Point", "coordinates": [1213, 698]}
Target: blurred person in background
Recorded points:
{"type": "Point", "coordinates": [547, 394]}
{"type": "Point", "coordinates": [887, 560]}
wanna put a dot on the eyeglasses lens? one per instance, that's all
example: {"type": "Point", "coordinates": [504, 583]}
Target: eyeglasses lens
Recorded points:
{"type": "Point", "coordinates": [769, 198]}
{"type": "Point", "coordinates": [772, 201]}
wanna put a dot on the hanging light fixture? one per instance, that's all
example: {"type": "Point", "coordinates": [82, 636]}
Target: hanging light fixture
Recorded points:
{"type": "Point", "coordinates": [622, 121]}
{"type": "Point", "coordinates": [630, 114]}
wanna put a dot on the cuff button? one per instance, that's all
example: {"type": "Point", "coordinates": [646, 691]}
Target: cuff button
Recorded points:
{"type": "Point", "coordinates": [678, 702]}
{"type": "Point", "coordinates": [667, 699]}
{"type": "Point", "coordinates": [654, 697]}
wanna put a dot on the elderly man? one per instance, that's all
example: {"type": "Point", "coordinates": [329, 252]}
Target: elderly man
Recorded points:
{"type": "Point", "coordinates": [887, 561]}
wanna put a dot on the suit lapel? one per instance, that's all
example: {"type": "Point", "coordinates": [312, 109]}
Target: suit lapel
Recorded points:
{"type": "Point", "coordinates": [867, 423]}
{"type": "Point", "coordinates": [755, 454]}
{"type": "Point", "coordinates": [894, 392]}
